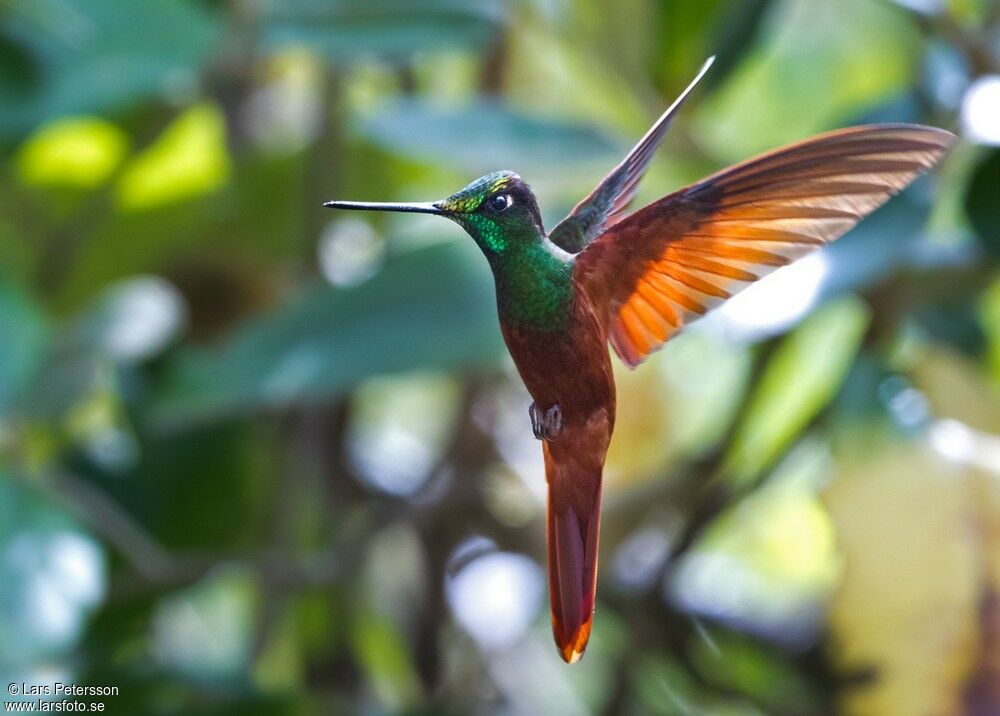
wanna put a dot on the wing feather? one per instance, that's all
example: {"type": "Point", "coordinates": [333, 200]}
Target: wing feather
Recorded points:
{"type": "Point", "coordinates": [606, 204]}
{"type": "Point", "coordinates": [672, 261]}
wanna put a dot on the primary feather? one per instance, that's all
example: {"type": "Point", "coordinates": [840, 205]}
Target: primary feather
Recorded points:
{"type": "Point", "coordinates": [675, 259]}
{"type": "Point", "coordinates": [607, 203]}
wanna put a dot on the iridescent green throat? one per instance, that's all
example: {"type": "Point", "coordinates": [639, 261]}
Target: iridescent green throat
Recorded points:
{"type": "Point", "coordinates": [534, 286]}
{"type": "Point", "coordinates": [534, 278]}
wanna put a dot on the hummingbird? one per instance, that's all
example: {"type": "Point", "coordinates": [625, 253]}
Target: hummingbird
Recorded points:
{"type": "Point", "coordinates": [633, 280]}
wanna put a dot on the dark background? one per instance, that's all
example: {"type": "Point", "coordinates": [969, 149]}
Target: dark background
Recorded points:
{"type": "Point", "coordinates": [259, 457]}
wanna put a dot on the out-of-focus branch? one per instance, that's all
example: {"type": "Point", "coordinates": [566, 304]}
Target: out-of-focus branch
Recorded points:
{"type": "Point", "coordinates": [155, 565]}
{"type": "Point", "coordinates": [493, 75]}
{"type": "Point", "coordinates": [118, 528]}
{"type": "Point", "coordinates": [292, 491]}
{"type": "Point", "coordinates": [231, 78]}
{"type": "Point", "coordinates": [469, 451]}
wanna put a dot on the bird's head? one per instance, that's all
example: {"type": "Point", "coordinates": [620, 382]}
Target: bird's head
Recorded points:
{"type": "Point", "coordinates": [497, 210]}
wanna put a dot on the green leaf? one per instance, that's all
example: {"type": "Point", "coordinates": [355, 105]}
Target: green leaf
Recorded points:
{"type": "Point", "coordinates": [429, 308]}
{"type": "Point", "coordinates": [697, 30]}
{"type": "Point", "coordinates": [680, 405]}
{"type": "Point", "coordinates": [989, 317]}
{"type": "Point", "coordinates": [345, 30]}
{"type": "Point", "coordinates": [77, 151]}
{"type": "Point", "coordinates": [381, 651]}
{"type": "Point", "coordinates": [189, 158]}
{"type": "Point", "coordinates": [485, 136]}
{"type": "Point", "coordinates": [801, 377]}
{"type": "Point", "coordinates": [663, 687]}
{"type": "Point", "coordinates": [816, 65]}
{"type": "Point", "coordinates": [746, 550]}
{"type": "Point", "coordinates": [24, 337]}
{"type": "Point", "coordinates": [735, 662]}
{"type": "Point", "coordinates": [94, 56]}
{"type": "Point", "coordinates": [981, 203]}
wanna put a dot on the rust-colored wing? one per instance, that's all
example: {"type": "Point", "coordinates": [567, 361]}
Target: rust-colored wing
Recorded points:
{"type": "Point", "coordinates": [670, 262]}
{"type": "Point", "coordinates": [606, 204]}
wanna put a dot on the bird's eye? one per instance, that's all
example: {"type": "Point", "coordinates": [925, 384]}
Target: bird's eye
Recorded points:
{"type": "Point", "coordinates": [500, 202]}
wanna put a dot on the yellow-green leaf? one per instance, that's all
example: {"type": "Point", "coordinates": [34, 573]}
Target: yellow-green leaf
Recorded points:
{"type": "Point", "coordinates": [801, 377]}
{"type": "Point", "coordinates": [74, 151]}
{"type": "Point", "coordinates": [189, 158]}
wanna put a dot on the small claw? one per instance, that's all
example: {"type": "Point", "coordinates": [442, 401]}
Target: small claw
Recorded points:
{"type": "Point", "coordinates": [548, 425]}
{"type": "Point", "coordinates": [536, 422]}
{"type": "Point", "coordinates": [553, 422]}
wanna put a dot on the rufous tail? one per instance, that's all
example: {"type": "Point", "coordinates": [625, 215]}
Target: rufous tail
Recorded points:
{"type": "Point", "coordinates": [573, 519]}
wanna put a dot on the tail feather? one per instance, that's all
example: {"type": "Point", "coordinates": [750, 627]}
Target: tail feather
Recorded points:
{"type": "Point", "coordinates": [573, 527]}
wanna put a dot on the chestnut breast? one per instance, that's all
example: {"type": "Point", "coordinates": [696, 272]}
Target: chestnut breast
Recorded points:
{"type": "Point", "coordinates": [569, 365]}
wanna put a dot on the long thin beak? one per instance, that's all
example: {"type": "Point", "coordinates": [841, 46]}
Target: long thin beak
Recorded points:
{"type": "Point", "coordinates": [421, 207]}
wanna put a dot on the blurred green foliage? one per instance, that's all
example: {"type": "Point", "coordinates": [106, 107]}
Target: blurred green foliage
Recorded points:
{"type": "Point", "coordinates": [259, 458]}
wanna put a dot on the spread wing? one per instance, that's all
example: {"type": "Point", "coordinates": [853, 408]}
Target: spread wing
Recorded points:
{"type": "Point", "coordinates": [673, 260]}
{"type": "Point", "coordinates": [606, 204]}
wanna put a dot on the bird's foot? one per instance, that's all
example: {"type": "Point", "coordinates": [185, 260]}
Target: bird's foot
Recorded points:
{"type": "Point", "coordinates": [545, 425]}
